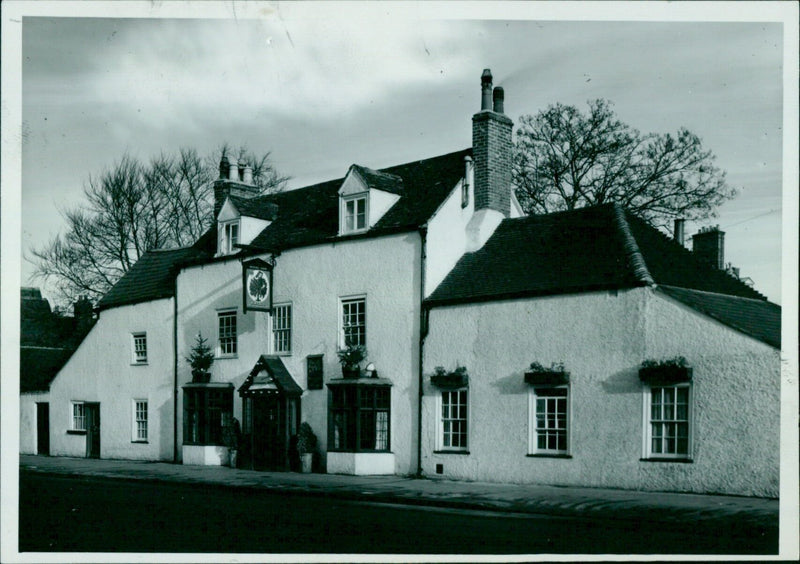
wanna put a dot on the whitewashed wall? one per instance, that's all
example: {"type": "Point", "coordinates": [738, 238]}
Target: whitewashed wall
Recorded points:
{"type": "Point", "coordinates": [101, 371]}
{"type": "Point", "coordinates": [313, 279]}
{"type": "Point", "coordinates": [602, 338]}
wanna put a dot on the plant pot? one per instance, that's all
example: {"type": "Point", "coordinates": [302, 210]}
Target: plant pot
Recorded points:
{"type": "Point", "coordinates": [201, 377]}
{"type": "Point", "coordinates": [234, 455]}
{"type": "Point", "coordinates": [306, 461]}
{"type": "Point", "coordinates": [350, 372]}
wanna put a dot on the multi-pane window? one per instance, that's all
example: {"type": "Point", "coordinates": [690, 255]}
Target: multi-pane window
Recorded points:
{"type": "Point", "coordinates": [454, 420]}
{"type": "Point", "coordinates": [282, 328]}
{"type": "Point", "coordinates": [78, 416]}
{"type": "Point", "coordinates": [140, 348]}
{"type": "Point", "coordinates": [549, 411]}
{"type": "Point", "coordinates": [203, 411]}
{"type": "Point", "coordinates": [669, 421]}
{"type": "Point", "coordinates": [140, 420]}
{"type": "Point", "coordinates": [355, 214]}
{"type": "Point", "coordinates": [230, 238]}
{"type": "Point", "coordinates": [359, 416]}
{"type": "Point", "coordinates": [354, 322]}
{"type": "Point", "coordinates": [227, 333]}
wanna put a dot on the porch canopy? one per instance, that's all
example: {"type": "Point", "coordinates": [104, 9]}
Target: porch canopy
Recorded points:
{"type": "Point", "coordinates": [270, 377]}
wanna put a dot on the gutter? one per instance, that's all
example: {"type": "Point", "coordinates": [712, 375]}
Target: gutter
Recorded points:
{"type": "Point", "coordinates": [175, 371]}
{"type": "Point", "coordinates": [423, 331]}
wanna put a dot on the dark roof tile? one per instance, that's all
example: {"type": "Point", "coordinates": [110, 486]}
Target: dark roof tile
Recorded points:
{"type": "Point", "coordinates": [151, 278]}
{"type": "Point", "coordinates": [758, 318]}
{"type": "Point", "coordinates": [380, 180]}
{"type": "Point", "coordinates": [38, 367]}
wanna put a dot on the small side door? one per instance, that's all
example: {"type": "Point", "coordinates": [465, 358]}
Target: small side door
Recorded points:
{"type": "Point", "coordinates": [43, 428]}
{"type": "Point", "coordinates": [92, 430]}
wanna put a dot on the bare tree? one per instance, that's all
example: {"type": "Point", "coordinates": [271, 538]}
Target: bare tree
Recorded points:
{"type": "Point", "coordinates": [565, 159]}
{"type": "Point", "coordinates": [132, 208]}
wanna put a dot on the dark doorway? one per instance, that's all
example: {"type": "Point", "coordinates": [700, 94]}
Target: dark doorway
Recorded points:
{"type": "Point", "coordinates": [271, 430]}
{"type": "Point", "coordinates": [43, 428]}
{"type": "Point", "coordinates": [92, 430]}
{"type": "Point", "coordinates": [270, 416]}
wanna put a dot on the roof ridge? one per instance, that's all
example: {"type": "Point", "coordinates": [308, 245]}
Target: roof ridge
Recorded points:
{"type": "Point", "coordinates": [754, 300]}
{"type": "Point", "coordinates": [634, 254]}
{"type": "Point", "coordinates": [690, 253]}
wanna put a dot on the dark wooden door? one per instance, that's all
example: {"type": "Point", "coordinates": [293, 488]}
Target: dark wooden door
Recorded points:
{"type": "Point", "coordinates": [269, 433]}
{"type": "Point", "coordinates": [92, 430]}
{"type": "Point", "coordinates": [43, 428]}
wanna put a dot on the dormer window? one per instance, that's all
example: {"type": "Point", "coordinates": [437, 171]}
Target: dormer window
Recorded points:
{"type": "Point", "coordinates": [354, 214]}
{"type": "Point", "coordinates": [230, 237]}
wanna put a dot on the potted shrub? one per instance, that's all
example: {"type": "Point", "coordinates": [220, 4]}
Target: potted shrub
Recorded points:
{"type": "Point", "coordinates": [554, 375]}
{"type": "Point", "coordinates": [350, 358]}
{"type": "Point", "coordinates": [201, 360]}
{"type": "Point", "coordinates": [449, 379]}
{"type": "Point", "coordinates": [306, 446]}
{"type": "Point", "coordinates": [666, 371]}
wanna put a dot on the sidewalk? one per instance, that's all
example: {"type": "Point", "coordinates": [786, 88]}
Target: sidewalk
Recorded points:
{"type": "Point", "coordinates": [590, 503]}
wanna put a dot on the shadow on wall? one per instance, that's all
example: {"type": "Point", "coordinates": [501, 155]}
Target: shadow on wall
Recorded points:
{"type": "Point", "coordinates": [513, 384]}
{"type": "Point", "coordinates": [622, 382]}
{"type": "Point", "coordinates": [164, 437]}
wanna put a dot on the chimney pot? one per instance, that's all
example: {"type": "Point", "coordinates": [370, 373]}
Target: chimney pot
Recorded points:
{"type": "Point", "coordinates": [224, 167]}
{"type": "Point", "coordinates": [248, 174]}
{"type": "Point", "coordinates": [233, 170]}
{"type": "Point", "coordinates": [499, 97]}
{"type": "Point", "coordinates": [486, 90]}
{"type": "Point", "coordinates": [678, 231]}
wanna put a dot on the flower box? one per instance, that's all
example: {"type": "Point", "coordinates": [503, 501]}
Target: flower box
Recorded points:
{"type": "Point", "coordinates": [547, 378]}
{"type": "Point", "coordinates": [666, 374]}
{"type": "Point", "coordinates": [456, 379]}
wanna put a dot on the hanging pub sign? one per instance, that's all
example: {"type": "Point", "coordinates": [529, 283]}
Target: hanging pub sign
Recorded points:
{"type": "Point", "coordinates": [257, 285]}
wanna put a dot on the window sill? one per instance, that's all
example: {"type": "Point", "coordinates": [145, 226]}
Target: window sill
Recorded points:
{"type": "Point", "coordinates": [451, 452]}
{"type": "Point", "coordinates": [76, 431]}
{"type": "Point", "coordinates": [226, 356]}
{"type": "Point", "coordinates": [139, 363]}
{"type": "Point", "coordinates": [678, 460]}
{"type": "Point", "coordinates": [141, 442]}
{"type": "Point", "coordinates": [548, 455]}
{"type": "Point", "coordinates": [361, 451]}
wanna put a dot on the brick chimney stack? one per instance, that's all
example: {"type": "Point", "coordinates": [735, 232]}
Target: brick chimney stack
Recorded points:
{"type": "Point", "coordinates": [236, 179]}
{"type": "Point", "coordinates": [491, 156]}
{"type": "Point", "coordinates": [491, 150]}
{"type": "Point", "coordinates": [709, 246]}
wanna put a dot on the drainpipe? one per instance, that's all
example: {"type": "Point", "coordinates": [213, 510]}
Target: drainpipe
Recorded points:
{"type": "Point", "coordinates": [423, 329]}
{"type": "Point", "coordinates": [175, 372]}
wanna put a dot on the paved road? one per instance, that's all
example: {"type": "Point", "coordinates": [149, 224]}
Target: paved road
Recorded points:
{"type": "Point", "coordinates": [88, 514]}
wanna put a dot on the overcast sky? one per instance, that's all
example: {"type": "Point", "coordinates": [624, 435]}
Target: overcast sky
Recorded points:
{"type": "Point", "coordinates": [323, 90]}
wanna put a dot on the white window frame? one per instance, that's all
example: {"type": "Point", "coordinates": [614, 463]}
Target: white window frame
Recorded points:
{"type": "Point", "coordinates": [136, 435]}
{"type": "Point", "coordinates": [535, 393]}
{"type": "Point", "coordinates": [74, 417]}
{"type": "Point", "coordinates": [227, 242]}
{"type": "Point", "coordinates": [275, 327]}
{"type": "Point", "coordinates": [440, 420]}
{"type": "Point", "coordinates": [647, 442]}
{"type": "Point", "coordinates": [355, 198]}
{"type": "Point", "coordinates": [227, 313]}
{"type": "Point", "coordinates": [343, 301]}
{"type": "Point", "coordinates": [135, 357]}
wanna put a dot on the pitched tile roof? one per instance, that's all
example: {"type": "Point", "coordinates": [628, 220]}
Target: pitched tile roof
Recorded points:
{"type": "Point", "coordinates": [601, 247]}
{"type": "Point", "coordinates": [151, 278]}
{"type": "Point", "coordinates": [250, 208]}
{"type": "Point", "coordinates": [758, 318]}
{"type": "Point", "coordinates": [301, 217]}
{"type": "Point", "coordinates": [380, 180]}
{"type": "Point", "coordinates": [311, 215]}
{"type": "Point", "coordinates": [38, 367]}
